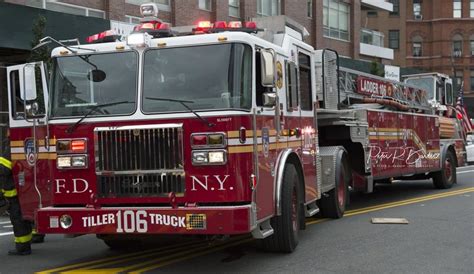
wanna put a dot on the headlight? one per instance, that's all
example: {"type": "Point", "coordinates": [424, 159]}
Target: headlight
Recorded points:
{"type": "Point", "coordinates": [71, 161]}
{"type": "Point", "coordinates": [200, 157]}
{"type": "Point", "coordinates": [209, 157]}
{"type": "Point", "coordinates": [216, 157]}
{"type": "Point", "coordinates": [63, 162]}
{"type": "Point", "coordinates": [79, 161]}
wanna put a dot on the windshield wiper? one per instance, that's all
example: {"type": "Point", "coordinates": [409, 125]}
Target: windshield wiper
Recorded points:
{"type": "Point", "coordinates": [183, 102]}
{"type": "Point", "coordinates": [93, 108]}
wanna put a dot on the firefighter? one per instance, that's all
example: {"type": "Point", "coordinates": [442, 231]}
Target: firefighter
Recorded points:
{"type": "Point", "coordinates": [21, 228]}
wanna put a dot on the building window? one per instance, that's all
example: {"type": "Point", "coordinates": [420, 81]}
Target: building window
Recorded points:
{"type": "Point", "coordinates": [417, 46]}
{"type": "Point", "coordinates": [65, 8]}
{"type": "Point", "coordinates": [309, 5]}
{"type": "Point", "coordinates": [162, 4]}
{"type": "Point", "coordinates": [471, 44]}
{"type": "Point", "coordinates": [417, 9]}
{"type": "Point", "coordinates": [472, 9]}
{"type": "Point", "coordinates": [73, 9]}
{"type": "Point", "coordinates": [458, 81]}
{"type": "Point", "coordinates": [457, 45]}
{"type": "Point", "coordinates": [205, 5]}
{"type": "Point", "coordinates": [371, 13]}
{"type": "Point", "coordinates": [394, 39]}
{"type": "Point", "coordinates": [396, 7]}
{"type": "Point", "coordinates": [336, 19]}
{"type": "Point", "coordinates": [472, 80]}
{"type": "Point", "coordinates": [268, 7]}
{"type": "Point", "coordinates": [234, 8]}
{"type": "Point", "coordinates": [457, 9]}
{"type": "Point", "coordinates": [132, 19]}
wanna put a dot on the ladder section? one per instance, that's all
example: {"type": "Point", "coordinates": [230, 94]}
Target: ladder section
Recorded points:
{"type": "Point", "coordinates": [358, 88]}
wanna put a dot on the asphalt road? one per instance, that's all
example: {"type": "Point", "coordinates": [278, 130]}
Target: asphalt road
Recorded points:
{"type": "Point", "coordinates": [438, 239]}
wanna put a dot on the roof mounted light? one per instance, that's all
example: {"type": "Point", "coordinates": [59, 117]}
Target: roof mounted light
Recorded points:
{"type": "Point", "coordinates": [103, 37]}
{"type": "Point", "coordinates": [221, 26]}
{"type": "Point", "coordinates": [139, 40]}
{"type": "Point", "coordinates": [149, 10]}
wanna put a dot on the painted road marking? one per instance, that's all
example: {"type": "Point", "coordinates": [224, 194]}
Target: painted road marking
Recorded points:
{"type": "Point", "coordinates": [4, 223]}
{"type": "Point", "coordinates": [467, 171]}
{"type": "Point", "coordinates": [191, 250]}
{"type": "Point", "coordinates": [6, 233]}
{"type": "Point", "coordinates": [7, 226]}
{"type": "Point", "coordinates": [465, 167]}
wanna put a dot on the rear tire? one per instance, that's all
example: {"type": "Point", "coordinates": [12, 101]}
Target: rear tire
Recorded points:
{"type": "Point", "coordinates": [286, 226]}
{"type": "Point", "coordinates": [446, 177]}
{"type": "Point", "coordinates": [333, 204]}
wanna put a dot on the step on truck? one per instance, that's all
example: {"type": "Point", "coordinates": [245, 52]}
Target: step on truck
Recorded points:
{"type": "Point", "coordinates": [219, 129]}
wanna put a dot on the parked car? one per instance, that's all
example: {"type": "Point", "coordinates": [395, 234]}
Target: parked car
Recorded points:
{"type": "Point", "coordinates": [470, 148]}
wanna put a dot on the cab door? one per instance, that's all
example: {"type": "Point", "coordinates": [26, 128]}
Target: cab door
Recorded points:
{"type": "Point", "coordinates": [266, 138]}
{"type": "Point", "coordinates": [30, 147]}
{"type": "Point", "coordinates": [306, 132]}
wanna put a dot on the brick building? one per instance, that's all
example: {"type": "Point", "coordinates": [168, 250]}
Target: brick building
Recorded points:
{"type": "Point", "coordinates": [433, 35]}
{"type": "Point", "coordinates": [332, 24]}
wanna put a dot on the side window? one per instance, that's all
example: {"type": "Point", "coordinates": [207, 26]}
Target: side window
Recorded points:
{"type": "Point", "coordinates": [449, 94]}
{"type": "Point", "coordinates": [292, 86]}
{"type": "Point", "coordinates": [305, 81]}
{"type": "Point", "coordinates": [260, 90]}
{"type": "Point", "coordinates": [15, 89]}
{"type": "Point", "coordinates": [39, 90]}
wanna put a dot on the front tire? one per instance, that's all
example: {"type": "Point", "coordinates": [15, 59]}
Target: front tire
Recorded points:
{"type": "Point", "coordinates": [286, 226]}
{"type": "Point", "coordinates": [446, 177]}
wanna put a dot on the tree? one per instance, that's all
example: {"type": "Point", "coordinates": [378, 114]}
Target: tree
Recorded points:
{"type": "Point", "coordinates": [40, 54]}
{"type": "Point", "coordinates": [375, 69]}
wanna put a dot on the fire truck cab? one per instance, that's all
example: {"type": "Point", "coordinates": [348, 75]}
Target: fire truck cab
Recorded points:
{"type": "Point", "coordinates": [439, 87]}
{"type": "Point", "coordinates": [213, 133]}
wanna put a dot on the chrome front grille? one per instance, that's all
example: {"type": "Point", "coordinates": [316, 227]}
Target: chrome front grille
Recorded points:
{"type": "Point", "coordinates": [139, 160]}
{"type": "Point", "coordinates": [140, 186]}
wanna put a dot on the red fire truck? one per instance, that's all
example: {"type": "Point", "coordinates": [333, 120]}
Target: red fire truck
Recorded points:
{"type": "Point", "coordinates": [225, 130]}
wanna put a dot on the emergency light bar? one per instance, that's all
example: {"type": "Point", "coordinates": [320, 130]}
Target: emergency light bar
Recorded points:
{"type": "Point", "coordinates": [103, 37]}
{"type": "Point", "coordinates": [155, 28]}
{"type": "Point", "coordinates": [221, 26]}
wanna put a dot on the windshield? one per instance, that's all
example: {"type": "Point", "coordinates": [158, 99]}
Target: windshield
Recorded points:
{"type": "Point", "coordinates": [80, 84]}
{"type": "Point", "coordinates": [426, 84]}
{"type": "Point", "coordinates": [209, 77]}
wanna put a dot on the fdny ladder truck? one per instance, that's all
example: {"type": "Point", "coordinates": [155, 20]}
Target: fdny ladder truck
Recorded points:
{"type": "Point", "coordinates": [227, 130]}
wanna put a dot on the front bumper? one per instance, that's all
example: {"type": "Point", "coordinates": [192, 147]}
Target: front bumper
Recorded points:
{"type": "Point", "coordinates": [146, 220]}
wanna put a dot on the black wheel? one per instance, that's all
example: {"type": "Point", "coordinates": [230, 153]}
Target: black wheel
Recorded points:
{"type": "Point", "coordinates": [333, 203]}
{"type": "Point", "coordinates": [446, 177]}
{"type": "Point", "coordinates": [286, 226]}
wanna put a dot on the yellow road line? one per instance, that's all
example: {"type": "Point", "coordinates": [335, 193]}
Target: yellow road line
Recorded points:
{"type": "Point", "coordinates": [193, 255]}
{"type": "Point", "coordinates": [192, 252]}
{"type": "Point", "coordinates": [408, 202]}
{"type": "Point", "coordinates": [167, 250]}
{"type": "Point", "coordinates": [106, 259]}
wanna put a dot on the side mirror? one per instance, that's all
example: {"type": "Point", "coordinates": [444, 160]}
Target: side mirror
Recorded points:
{"type": "Point", "coordinates": [29, 92]}
{"type": "Point", "coordinates": [268, 68]}
{"type": "Point", "coordinates": [31, 110]}
{"type": "Point", "coordinates": [269, 99]}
